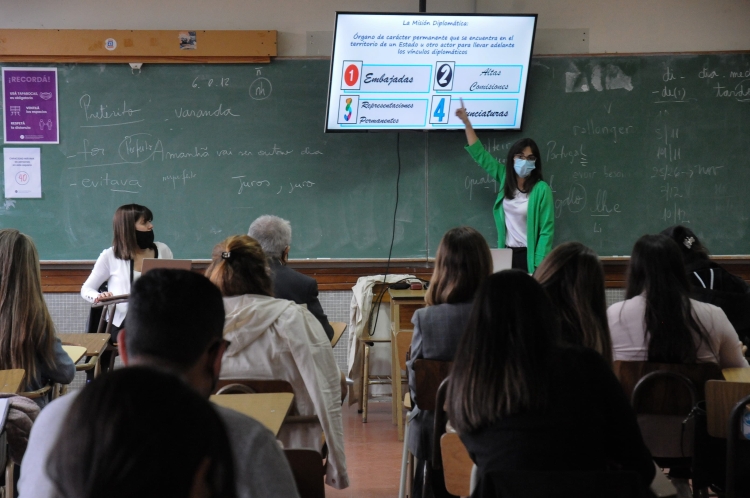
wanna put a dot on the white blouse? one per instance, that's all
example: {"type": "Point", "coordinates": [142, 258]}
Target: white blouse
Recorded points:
{"type": "Point", "coordinates": [629, 342]}
{"type": "Point", "coordinates": [516, 215]}
{"type": "Point", "coordinates": [117, 273]}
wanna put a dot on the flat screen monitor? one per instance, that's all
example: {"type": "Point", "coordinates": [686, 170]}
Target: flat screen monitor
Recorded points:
{"type": "Point", "coordinates": [412, 71]}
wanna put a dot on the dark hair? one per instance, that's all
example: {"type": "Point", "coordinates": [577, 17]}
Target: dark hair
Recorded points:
{"type": "Point", "coordinates": [238, 266]}
{"type": "Point", "coordinates": [511, 184]}
{"type": "Point", "coordinates": [656, 270]}
{"type": "Point", "coordinates": [140, 432]}
{"type": "Point", "coordinates": [27, 333]}
{"type": "Point", "coordinates": [501, 365]}
{"type": "Point", "coordinates": [573, 277]}
{"type": "Point", "coordinates": [123, 226]}
{"type": "Point", "coordinates": [174, 316]}
{"type": "Point", "coordinates": [690, 246]}
{"type": "Point", "coordinates": [462, 262]}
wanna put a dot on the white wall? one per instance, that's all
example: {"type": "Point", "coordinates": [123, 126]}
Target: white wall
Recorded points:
{"type": "Point", "coordinates": [623, 26]}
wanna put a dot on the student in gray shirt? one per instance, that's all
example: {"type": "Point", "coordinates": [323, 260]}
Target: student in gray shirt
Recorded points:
{"type": "Point", "coordinates": [175, 322]}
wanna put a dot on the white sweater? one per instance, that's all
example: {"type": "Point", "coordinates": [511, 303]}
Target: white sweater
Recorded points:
{"type": "Point", "coordinates": [117, 272]}
{"type": "Point", "coordinates": [277, 339]}
{"type": "Point", "coordinates": [629, 342]}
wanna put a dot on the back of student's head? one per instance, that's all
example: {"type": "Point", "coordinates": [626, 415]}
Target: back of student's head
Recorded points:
{"type": "Point", "coordinates": [141, 432]}
{"type": "Point", "coordinates": [238, 266]}
{"type": "Point", "coordinates": [274, 234]}
{"type": "Point", "coordinates": [500, 366]}
{"type": "Point", "coordinates": [657, 272]}
{"type": "Point", "coordinates": [462, 263]}
{"type": "Point", "coordinates": [174, 316]}
{"type": "Point", "coordinates": [27, 333]}
{"type": "Point", "coordinates": [691, 248]}
{"type": "Point", "coordinates": [573, 277]}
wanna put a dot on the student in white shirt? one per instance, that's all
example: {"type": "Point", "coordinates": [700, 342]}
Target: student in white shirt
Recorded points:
{"type": "Point", "coordinates": [658, 321]}
{"type": "Point", "coordinates": [120, 265]}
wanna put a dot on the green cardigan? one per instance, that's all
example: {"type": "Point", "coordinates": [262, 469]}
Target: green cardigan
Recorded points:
{"type": "Point", "coordinates": [540, 228]}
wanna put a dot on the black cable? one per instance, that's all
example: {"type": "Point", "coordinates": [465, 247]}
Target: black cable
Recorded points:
{"type": "Point", "coordinates": [393, 237]}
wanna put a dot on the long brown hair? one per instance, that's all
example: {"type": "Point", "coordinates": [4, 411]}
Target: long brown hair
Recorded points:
{"type": "Point", "coordinates": [123, 227]}
{"type": "Point", "coordinates": [573, 277]}
{"type": "Point", "coordinates": [238, 266]}
{"type": "Point", "coordinates": [27, 333]}
{"type": "Point", "coordinates": [462, 262]}
{"type": "Point", "coordinates": [502, 362]}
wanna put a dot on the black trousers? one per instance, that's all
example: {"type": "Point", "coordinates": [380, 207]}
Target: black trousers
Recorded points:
{"type": "Point", "coordinates": [519, 258]}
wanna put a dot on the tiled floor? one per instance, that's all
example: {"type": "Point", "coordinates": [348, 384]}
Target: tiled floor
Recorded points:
{"type": "Point", "coordinates": [373, 454]}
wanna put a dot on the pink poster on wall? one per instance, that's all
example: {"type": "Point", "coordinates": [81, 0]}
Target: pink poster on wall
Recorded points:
{"type": "Point", "coordinates": [30, 113]}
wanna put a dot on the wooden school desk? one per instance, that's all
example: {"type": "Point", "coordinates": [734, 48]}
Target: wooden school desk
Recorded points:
{"type": "Point", "coordinates": [10, 380]}
{"type": "Point", "coordinates": [737, 374]}
{"type": "Point", "coordinates": [95, 344]}
{"type": "Point", "coordinates": [270, 409]}
{"type": "Point", "coordinates": [75, 352]}
{"type": "Point", "coordinates": [404, 303]}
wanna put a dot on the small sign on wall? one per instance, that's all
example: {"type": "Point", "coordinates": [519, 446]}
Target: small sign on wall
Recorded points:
{"type": "Point", "coordinates": [23, 172]}
{"type": "Point", "coordinates": [30, 111]}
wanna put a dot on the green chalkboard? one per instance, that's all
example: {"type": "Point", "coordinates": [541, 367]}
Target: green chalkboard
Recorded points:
{"type": "Point", "coordinates": [210, 147]}
{"type": "Point", "coordinates": [629, 144]}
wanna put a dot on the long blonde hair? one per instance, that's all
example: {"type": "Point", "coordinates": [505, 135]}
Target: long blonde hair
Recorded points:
{"type": "Point", "coordinates": [27, 333]}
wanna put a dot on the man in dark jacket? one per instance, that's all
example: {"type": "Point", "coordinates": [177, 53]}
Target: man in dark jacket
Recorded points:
{"type": "Point", "coordinates": [275, 237]}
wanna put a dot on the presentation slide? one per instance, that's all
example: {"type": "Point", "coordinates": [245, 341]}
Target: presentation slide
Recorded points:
{"type": "Point", "coordinates": [412, 71]}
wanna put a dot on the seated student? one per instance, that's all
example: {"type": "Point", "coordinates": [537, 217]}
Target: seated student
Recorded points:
{"type": "Point", "coordinates": [141, 432]}
{"type": "Point", "coordinates": [659, 322]}
{"type": "Point", "coordinates": [711, 283]}
{"type": "Point", "coordinates": [27, 334]}
{"type": "Point", "coordinates": [573, 278]}
{"type": "Point", "coordinates": [275, 237]}
{"type": "Point", "coordinates": [521, 401]}
{"type": "Point", "coordinates": [278, 339]}
{"type": "Point", "coordinates": [462, 262]}
{"type": "Point", "coordinates": [175, 321]}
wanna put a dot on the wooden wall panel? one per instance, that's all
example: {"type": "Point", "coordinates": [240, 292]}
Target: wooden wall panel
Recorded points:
{"type": "Point", "coordinates": [337, 276]}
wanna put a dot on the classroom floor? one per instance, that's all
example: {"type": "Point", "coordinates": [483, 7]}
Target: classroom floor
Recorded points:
{"type": "Point", "coordinates": [373, 454]}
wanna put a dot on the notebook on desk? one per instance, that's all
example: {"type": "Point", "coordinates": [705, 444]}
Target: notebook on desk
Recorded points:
{"type": "Point", "coordinates": [502, 259]}
{"type": "Point", "coordinates": [168, 264]}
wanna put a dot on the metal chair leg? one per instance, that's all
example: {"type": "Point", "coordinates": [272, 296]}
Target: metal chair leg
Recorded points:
{"type": "Point", "coordinates": [404, 465]}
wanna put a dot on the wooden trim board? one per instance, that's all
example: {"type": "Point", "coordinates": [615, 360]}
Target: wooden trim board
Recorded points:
{"type": "Point", "coordinates": [88, 45]}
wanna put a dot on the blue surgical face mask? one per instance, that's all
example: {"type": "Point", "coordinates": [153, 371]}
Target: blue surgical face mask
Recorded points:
{"type": "Point", "coordinates": [523, 167]}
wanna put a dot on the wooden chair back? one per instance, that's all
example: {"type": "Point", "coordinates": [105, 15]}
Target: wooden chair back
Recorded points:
{"type": "Point", "coordinates": [403, 343]}
{"type": "Point", "coordinates": [721, 398]}
{"type": "Point", "coordinates": [308, 470]}
{"type": "Point", "coordinates": [338, 331]}
{"type": "Point", "coordinates": [457, 465]}
{"type": "Point", "coordinates": [438, 428]}
{"type": "Point", "coordinates": [428, 375]}
{"type": "Point", "coordinates": [659, 397]}
{"type": "Point", "coordinates": [253, 386]}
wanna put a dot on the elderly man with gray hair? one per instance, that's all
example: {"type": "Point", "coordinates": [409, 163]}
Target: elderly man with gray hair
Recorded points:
{"type": "Point", "coordinates": [274, 235]}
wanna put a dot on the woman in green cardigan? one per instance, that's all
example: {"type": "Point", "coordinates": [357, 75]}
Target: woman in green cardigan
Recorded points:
{"type": "Point", "coordinates": [524, 210]}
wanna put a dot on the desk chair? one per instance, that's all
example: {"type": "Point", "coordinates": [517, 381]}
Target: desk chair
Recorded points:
{"type": "Point", "coordinates": [722, 398]}
{"type": "Point", "coordinates": [252, 386]}
{"type": "Point", "coordinates": [560, 484]}
{"type": "Point", "coordinates": [428, 376]}
{"type": "Point", "coordinates": [308, 472]}
{"type": "Point", "coordinates": [400, 346]}
{"type": "Point", "coordinates": [734, 440]}
{"type": "Point", "coordinates": [105, 327]}
{"type": "Point", "coordinates": [457, 465]}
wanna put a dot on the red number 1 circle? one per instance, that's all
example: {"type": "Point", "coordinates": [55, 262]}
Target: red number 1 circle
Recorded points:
{"type": "Point", "coordinates": [351, 75]}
